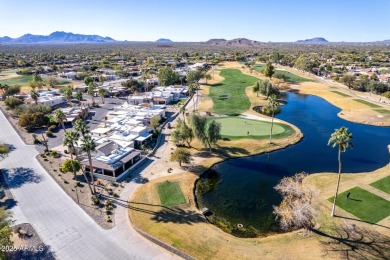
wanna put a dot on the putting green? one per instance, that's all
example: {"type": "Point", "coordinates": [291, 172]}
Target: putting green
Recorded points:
{"type": "Point", "coordinates": [238, 127]}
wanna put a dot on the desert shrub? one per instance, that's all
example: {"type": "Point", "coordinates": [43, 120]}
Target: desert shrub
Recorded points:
{"type": "Point", "coordinates": [53, 153]}
{"type": "Point", "coordinates": [52, 128]}
{"type": "Point", "coordinates": [13, 102]}
{"type": "Point", "coordinates": [386, 94]}
{"type": "Point", "coordinates": [49, 134]}
{"type": "Point", "coordinates": [68, 167]}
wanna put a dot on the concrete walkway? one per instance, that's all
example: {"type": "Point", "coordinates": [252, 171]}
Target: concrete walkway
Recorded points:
{"type": "Point", "coordinates": [60, 222]}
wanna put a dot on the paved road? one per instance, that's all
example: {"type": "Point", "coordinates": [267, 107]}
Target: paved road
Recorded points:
{"type": "Point", "coordinates": [59, 221]}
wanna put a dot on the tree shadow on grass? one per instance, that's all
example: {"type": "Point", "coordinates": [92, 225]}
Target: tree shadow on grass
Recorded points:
{"type": "Point", "coordinates": [169, 214]}
{"type": "Point", "coordinates": [356, 219]}
{"type": "Point", "coordinates": [353, 242]}
{"type": "Point", "coordinates": [19, 176]}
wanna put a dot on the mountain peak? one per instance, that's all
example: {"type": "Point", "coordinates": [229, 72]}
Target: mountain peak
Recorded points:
{"type": "Point", "coordinates": [163, 40]}
{"type": "Point", "coordinates": [314, 40]}
{"type": "Point", "coordinates": [57, 37]}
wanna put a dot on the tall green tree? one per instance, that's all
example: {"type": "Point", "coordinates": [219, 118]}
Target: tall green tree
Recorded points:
{"type": "Point", "coordinates": [88, 146]}
{"type": "Point", "coordinates": [167, 76]}
{"type": "Point", "coordinates": [269, 70]}
{"type": "Point", "coordinates": [182, 133]}
{"type": "Point", "coordinates": [256, 88]}
{"type": "Point", "coordinates": [60, 118]}
{"type": "Point", "coordinates": [272, 106]}
{"type": "Point", "coordinates": [155, 122]}
{"type": "Point", "coordinates": [348, 80]}
{"type": "Point", "coordinates": [68, 93]}
{"type": "Point", "coordinates": [81, 127]}
{"type": "Point", "coordinates": [181, 155]}
{"type": "Point", "coordinates": [34, 96]}
{"type": "Point", "coordinates": [91, 91]}
{"type": "Point", "coordinates": [341, 138]}
{"type": "Point", "coordinates": [214, 132]}
{"type": "Point", "coordinates": [207, 134]}
{"type": "Point", "coordinates": [70, 139]}
{"type": "Point", "coordinates": [101, 93]}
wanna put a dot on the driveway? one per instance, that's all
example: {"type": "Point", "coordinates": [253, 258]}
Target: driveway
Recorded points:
{"type": "Point", "coordinates": [60, 222]}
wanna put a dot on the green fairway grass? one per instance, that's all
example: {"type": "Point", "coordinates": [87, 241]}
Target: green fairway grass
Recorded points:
{"type": "Point", "coordinates": [170, 194]}
{"type": "Point", "coordinates": [23, 81]}
{"type": "Point", "coordinates": [340, 93]}
{"type": "Point", "coordinates": [363, 204]}
{"type": "Point", "coordinates": [229, 96]}
{"type": "Point", "coordinates": [383, 111]}
{"type": "Point", "coordinates": [20, 80]}
{"type": "Point", "coordinates": [367, 103]}
{"type": "Point", "coordinates": [382, 184]}
{"type": "Point", "coordinates": [292, 78]}
{"type": "Point", "coordinates": [236, 128]}
{"type": "Point", "coordinates": [7, 72]}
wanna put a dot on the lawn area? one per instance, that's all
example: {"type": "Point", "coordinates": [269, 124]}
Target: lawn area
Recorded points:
{"type": "Point", "coordinates": [23, 81]}
{"type": "Point", "coordinates": [170, 194]}
{"type": "Point", "coordinates": [363, 204]}
{"type": "Point", "coordinates": [382, 184]}
{"type": "Point", "coordinates": [20, 80]}
{"type": "Point", "coordinates": [383, 111]}
{"type": "Point", "coordinates": [229, 96]}
{"type": "Point", "coordinates": [238, 127]}
{"type": "Point", "coordinates": [292, 78]}
{"type": "Point", "coordinates": [340, 93]}
{"type": "Point", "coordinates": [367, 103]}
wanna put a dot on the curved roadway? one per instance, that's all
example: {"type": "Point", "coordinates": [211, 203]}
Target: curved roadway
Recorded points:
{"type": "Point", "coordinates": [60, 222]}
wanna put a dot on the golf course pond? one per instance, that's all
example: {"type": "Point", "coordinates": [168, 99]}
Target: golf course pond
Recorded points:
{"type": "Point", "coordinates": [239, 192]}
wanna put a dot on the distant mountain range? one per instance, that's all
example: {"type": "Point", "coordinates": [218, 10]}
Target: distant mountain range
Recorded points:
{"type": "Point", "coordinates": [314, 40]}
{"type": "Point", "coordinates": [56, 37]}
{"type": "Point", "coordinates": [164, 40]}
{"type": "Point", "coordinates": [234, 42]}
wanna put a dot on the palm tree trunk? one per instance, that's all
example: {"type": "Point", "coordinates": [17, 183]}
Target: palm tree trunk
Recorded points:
{"type": "Point", "coordinates": [338, 185]}
{"type": "Point", "coordinates": [85, 176]}
{"type": "Point", "coordinates": [272, 125]}
{"type": "Point", "coordinates": [74, 174]}
{"type": "Point", "coordinates": [91, 173]}
{"type": "Point", "coordinates": [63, 126]}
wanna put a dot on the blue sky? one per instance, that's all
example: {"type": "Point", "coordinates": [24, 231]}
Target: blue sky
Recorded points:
{"type": "Point", "coordinates": [200, 20]}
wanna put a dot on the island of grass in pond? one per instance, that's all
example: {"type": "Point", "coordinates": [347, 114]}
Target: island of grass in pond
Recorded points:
{"type": "Point", "coordinates": [240, 191]}
{"type": "Point", "coordinates": [229, 95]}
{"type": "Point", "coordinates": [238, 128]}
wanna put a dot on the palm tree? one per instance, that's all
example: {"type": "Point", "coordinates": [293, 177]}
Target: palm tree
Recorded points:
{"type": "Point", "coordinates": [342, 138]}
{"type": "Point", "coordinates": [91, 91]}
{"type": "Point", "coordinates": [272, 106]}
{"type": "Point", "coordinates": [60, 118]}
{"type": "Point", "coordinates": [102, 92]}
{"type": "Point", "coordinates": [81, 127]}
{"type": "Point", "coordinates": [34, 96]}
{"type": "Point", "coordinates": [88, 146]}
{"type": "Point", "coordinates": [69, 140]}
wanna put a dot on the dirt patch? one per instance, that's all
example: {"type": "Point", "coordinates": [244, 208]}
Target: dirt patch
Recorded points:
{"type": "Point", "coordinates": [28, 245]}
{"type": "Point", "coordinates": [108, 191]}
